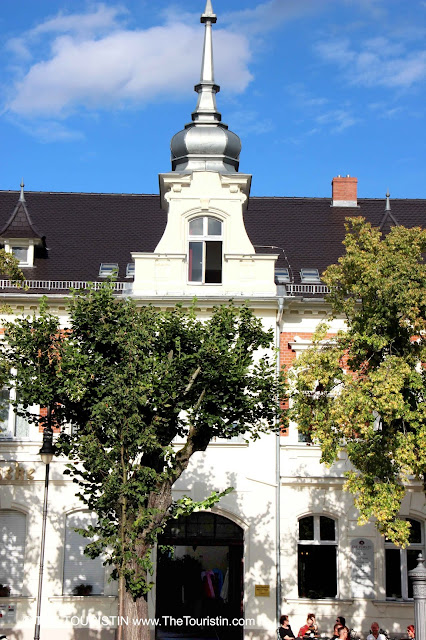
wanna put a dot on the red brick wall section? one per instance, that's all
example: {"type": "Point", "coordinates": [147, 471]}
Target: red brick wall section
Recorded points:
{"type": "Point", "coordinates": [344, 188]}
{"type": "Point", "coordinates": [43, 413]}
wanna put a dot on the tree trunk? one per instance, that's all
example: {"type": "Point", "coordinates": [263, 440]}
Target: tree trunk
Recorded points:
{"type": "Point", "coordinates": [134, 622]}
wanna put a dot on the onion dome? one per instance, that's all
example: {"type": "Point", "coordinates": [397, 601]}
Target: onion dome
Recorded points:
{"type": "Point", "coordinates": [206, 144]}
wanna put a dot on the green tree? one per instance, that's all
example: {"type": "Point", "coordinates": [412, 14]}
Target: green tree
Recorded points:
{"type": "Point", "coordinates": [129, 380]}
{"type": "Point", "coordinates": [363, 390]}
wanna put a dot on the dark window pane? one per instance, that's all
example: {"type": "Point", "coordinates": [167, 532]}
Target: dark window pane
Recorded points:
{"type": "Point", "coordinates": [306, 528]}
{"type": "Point", "coordinates": [317, 575]}
{"type": "Point", "coordinates": [195, 262]}
{"type": "Point", "coordinates": [393, 573]}
{"type": "Point", "coordinates": [213, 262]}
{"type": "Point", "coordinates": [196, 227]}
{"type": "Point", "coordinates": [415, 531]}
{"type": "Point", "coordinates": [327, 528]}
{"type": "Point", "coordinates": [412, 555]}
{"type": "Point", "coordinates": [4, 407]}
{"type": "Point", "coordinates": [214, 227]}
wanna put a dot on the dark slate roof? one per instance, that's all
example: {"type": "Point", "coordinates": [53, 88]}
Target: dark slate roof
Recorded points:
{"type": "Point", "coordinates": [20, 224]}
{"type": "Point", "coordinates": [83, 229]}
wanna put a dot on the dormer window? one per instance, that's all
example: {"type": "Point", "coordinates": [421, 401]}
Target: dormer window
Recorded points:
{"type": "Point", "coordinates": [108, 269]}
{"type": "Point", "coordinates": [205, 250]}
{"type": "Point", "coordinates": [23, 250]}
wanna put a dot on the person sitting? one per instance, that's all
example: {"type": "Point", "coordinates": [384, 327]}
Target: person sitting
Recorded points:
{"type": "Point", "coordinates": [336, 628]}
{"type": "Point", "coordinates": [375, 633]}
{"type": "Point", "coordinates": [310, 629]}
{"type": "Point", "coordinates": [284, 630]}
{"type": "Point", "coordinates": [411, 632]}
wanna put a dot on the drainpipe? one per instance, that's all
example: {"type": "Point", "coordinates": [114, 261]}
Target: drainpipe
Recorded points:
{"type": "Point", "coordinates": [278, 475]}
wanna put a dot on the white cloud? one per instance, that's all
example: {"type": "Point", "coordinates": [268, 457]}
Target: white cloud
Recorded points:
{"type": "Point", "coordinates": [94, 63]}
{"type": "Point", "coordinates": [376, 62]}
{"type": "Point", "coordinates": [269, 15]}
{"type": "Point", "coordinates": [338, 119]}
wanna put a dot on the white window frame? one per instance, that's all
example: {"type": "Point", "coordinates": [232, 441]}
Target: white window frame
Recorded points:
{"type": "Point", "coordinates": [318, 542]}
{"type": "Point", "coordinates": [9, 433]}
{"type": "Point", "coordinates": [108, 269]}
{"type": "Point", "coordinates": [403, 564]}
{"type": "Point", "coordinates": [204, 238]}
{"type": "Point", "coordinates": [23, 243]}
{"type": "Point", "coordinates": [94, 567]}
{"type": "Point", "coordinates": [12, 566]}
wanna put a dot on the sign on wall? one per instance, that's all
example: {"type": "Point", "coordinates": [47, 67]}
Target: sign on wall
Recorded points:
{"type": "Point", "coordinates": [7, 614]}
{"type": "Point", "coordinates": [262, 590]}
{"type": "Point", "coordinates": [362, 568]}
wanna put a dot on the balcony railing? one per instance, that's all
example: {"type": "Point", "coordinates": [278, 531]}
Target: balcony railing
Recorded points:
{"type": "Point", "coordinates": [62, 285]}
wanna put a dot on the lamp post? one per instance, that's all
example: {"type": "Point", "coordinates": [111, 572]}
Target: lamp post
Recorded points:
{"type": "Point", "coordinates": [418, 578]}
{"type": "Point", "coordinates": [46, 453]}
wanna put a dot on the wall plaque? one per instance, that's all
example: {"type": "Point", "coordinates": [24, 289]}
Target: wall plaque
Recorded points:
{"type": "Point", "coordinates": [262, 590]}
{"type": "Point", "coordinates": [362, 568]}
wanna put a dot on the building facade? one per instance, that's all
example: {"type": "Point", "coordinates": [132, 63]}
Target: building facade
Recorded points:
{"type": "Point", "coordinates": [286, 540]}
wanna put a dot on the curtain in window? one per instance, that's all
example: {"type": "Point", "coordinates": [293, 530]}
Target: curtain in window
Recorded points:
{"type": "Point", "coordinates": [78, 568]}
{"type": "Point", "coordinates": [12, 549]}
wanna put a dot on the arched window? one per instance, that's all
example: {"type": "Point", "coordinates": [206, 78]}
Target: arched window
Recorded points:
{"type": "Point", "coordinates": [400, 561]}
{"type": "Point", "coordinates": [12, 550]}
{"type": "Point", "coordinates": [205, 250]}
{"type": "Point", "coordinates": [79, 569]}
{"type": "Point", "coordinates": [317, 557]}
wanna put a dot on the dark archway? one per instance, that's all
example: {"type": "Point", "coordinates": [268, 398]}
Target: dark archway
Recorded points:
{"type": "Point", "coordinates": [200, 577]}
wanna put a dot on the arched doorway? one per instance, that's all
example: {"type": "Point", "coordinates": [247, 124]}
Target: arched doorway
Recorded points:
{"type": "Point", "coordinates": [199, 577]}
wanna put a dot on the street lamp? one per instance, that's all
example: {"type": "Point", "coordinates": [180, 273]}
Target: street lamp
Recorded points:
{"type": "Point", "coordinates": [418, 580]}
{"type": "Point", "coordinates": [47, 452]}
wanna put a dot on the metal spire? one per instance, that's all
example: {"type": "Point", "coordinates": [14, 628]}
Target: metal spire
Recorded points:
{"type": "Point", "coordinates": [388, 215]}
{"type": "Point", "coordinates": [388, 207]}
{"type": "Point", "coordinates": [22, 196]}
{"type": "Point", "coordinates": [206, 109]}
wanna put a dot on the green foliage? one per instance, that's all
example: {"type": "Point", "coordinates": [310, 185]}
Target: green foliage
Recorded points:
{"type": "Point", "coordinates": [130, 380]}
{"type": "Point", "coordinates": [363, 389]}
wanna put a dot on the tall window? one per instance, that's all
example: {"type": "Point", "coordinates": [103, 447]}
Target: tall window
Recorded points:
{"type": "Point", "coordinates": [205, 250]}
{"type": "Point", "coordinates": [12, 550]}
{"type": "Point", "coordinates": [400, 561]}
{"type": "Point", "coordinates": [11, 425]}
{"type": "Point", "coordinates": [79, 569]}
{"type": "Point", "coordinates": [317, 557]}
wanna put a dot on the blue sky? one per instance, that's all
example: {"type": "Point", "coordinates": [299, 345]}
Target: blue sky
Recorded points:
{"type": "Point", "coordinates": [92, 92]}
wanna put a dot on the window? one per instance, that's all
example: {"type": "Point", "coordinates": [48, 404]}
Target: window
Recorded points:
{"type": "Point", "coordinates": [12, 549]}
{"type": "Point", "coordinates": [310, 275]}
{"type": "Point", "coordinates": [23, 250]}
{"type": "Point", "coordinates": [317, 557]}
{"type": "Point", "coordinates": [11, 425]}
{"type": "Point", "coordinates": [21, 253]}
{"type": "Point", "coordinates": [282, 275]}
{"type": "Point", "coordinates": [400, 561]}
{"type": "Point", "coordinates": [130, 270]}
{"type": "Point", "coordinates": [205, 251]}
{"type": "Point", "coordinates": [108, 269]}
{"type": "Point", "coordinates": [78, 568]}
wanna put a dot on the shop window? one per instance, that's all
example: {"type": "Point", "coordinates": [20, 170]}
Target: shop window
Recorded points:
{"type": "Point", "coordinates": [12, 426]}
{"type": "Point", "coordinates": [317, 557]}
{"type": "Point", "coordinates": [79, 569]}
{"type": "Point", "coordinates": [12, 550]}
{"type": "Point", "coordinates": [400, 561]}
{"type": "Point", "coordinates": [205, 251]}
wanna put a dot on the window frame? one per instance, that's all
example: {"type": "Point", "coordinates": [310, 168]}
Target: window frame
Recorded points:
{"type": "Point", "coordinates": [21, 243]}
{"type": "Point", "coordinates": [403, 561]}
{"type": "Point", "coordinates": [203, 239]}
{"type": "Point", "coordinates": [9, 433]}
{"type": "Point", "coordinates": [317, 542]}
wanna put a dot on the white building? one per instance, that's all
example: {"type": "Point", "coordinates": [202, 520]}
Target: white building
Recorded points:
{"type": "Point", "coordinates": [288, 521]}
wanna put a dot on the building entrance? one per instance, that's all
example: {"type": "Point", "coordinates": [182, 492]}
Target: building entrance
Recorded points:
{"type": "Point", "coordinates": [200, 578]}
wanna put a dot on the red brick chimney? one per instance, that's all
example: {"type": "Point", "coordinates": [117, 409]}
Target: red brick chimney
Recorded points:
{"type": "Point", "coordinates": [344, 192]}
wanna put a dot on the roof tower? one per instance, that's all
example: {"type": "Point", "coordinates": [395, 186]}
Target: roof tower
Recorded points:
{"type": "Point", "coordinates": [206, 144]}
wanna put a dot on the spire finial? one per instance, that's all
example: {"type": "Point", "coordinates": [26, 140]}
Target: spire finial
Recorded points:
{"type": "Point", "coordinates": [206, 109]}
{"type": "Point", "coordinates": [22, 196]}
{"type": "Point", "coordinates": [388, 207]}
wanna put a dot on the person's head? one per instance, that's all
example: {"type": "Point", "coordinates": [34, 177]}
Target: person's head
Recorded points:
{"type": "Point", "coordinates": [411, 631]}
{"type": "Point", "coordinates": [341, 620]}
{"type": "Point", "coordinates": [310, 618]}
{"type": "Point", "coordinates": [343, 633]}
{"type": "Point", "coordinates": [375, 629]}
{"type": "Point", "coordinates": [336, 628]}
{"type": "Point", "coordinates": [284, 620]}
